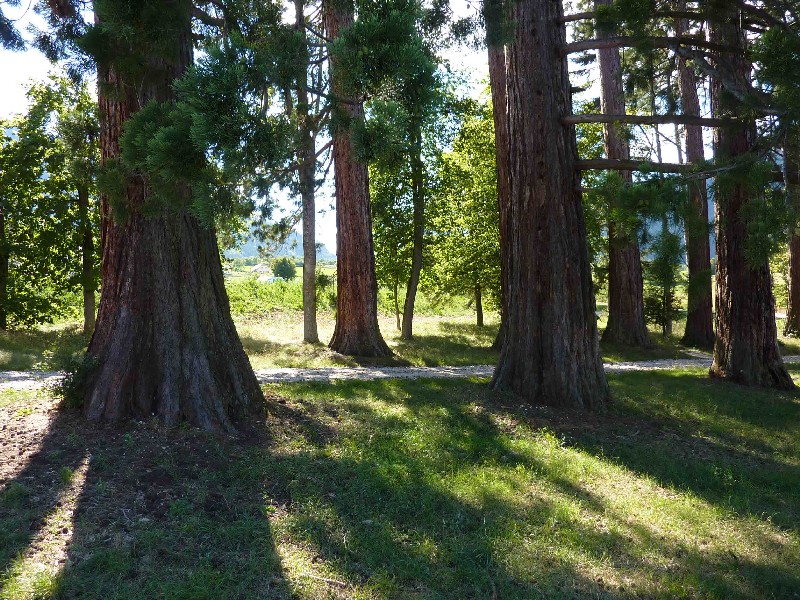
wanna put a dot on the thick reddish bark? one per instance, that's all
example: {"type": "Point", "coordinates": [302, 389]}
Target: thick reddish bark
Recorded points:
{"type": "Point", "coordinates": [357, 332]}
{"type": "Point", "coordinates": [791, 166]}
{"type": "Point", "coordinates": [418, 200]}
{"type": "Point", "coordinates": [626, 323]}
{"type": "Point", "coordinates": [550, 354]}
{"type": "Point", "coordinates": [164, 340]}
{"type": "Point", "coordinates": [497, 83]}
{"type": "Point", "coordinates": [306, 176]}
{"type": "Point", "coordinates": [746, 347]}
{"type": "Point", "coordinates": [700, 315]}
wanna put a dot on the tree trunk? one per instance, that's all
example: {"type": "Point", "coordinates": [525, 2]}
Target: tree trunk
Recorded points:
{"type": "Point", "coordinates": [791, 167]}
{"type": "Point", "coordinates": [306, 175]}
{"type": "Point", "coordinates": [357, 332]}
{"type": "Point", "coordinates": [626, 323]}
{"type": "Point", "coordinates": [550, 354]}
{"type": "Point", "coordinates": [478, 305]}
{"type": "Point", "coordinates": [746, 347]}
{"type": "Point", "coordinates": [418, 199]}
{"type": "Point", "coordinates": [164, 340]}
{"type": "Point", "coordinates": [4, 262]}
{"type": "Point", "coordinates": [397, 304]}
{"type": "Point", "coordinates": [700, 316]}
{"type": "Point", "coordinates": [494, 17]}
{"type": "Point", "coordinates": [87, 261]}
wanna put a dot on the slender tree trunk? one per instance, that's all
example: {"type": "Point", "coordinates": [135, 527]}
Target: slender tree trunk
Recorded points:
{"type": "Point", "coordinates": [357, 332]}
{"type": "Point", "coordinates": [308, 165]}
{"type": "Point", "coordinates": [626, 322]}
{"type": "Point", "coordinates": [746, 347]}
{"type": "Point", "coordinates": [397, 304]}
{"type": "Point", "coordinates": [4, 262]}
{"type": "Point", "coordinates": [87, 261]}
{"type": "Point", "coordinates": [478, 305]}
{"type": "Point", "coordinates": [699, 318]}
{"type": "Point", "coordinates": [791, 168]}
{"type": "Point", "coordinates": [418, 199]}
{"type": "Point", "coordinates": [495, 13]}
{"type": "Point", "coordinates": [164, 340]}
{"type": "Point", "coordinates": [550, 354]}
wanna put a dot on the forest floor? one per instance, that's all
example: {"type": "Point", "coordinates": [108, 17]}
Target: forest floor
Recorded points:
{"type": "Point", "coordinates": [684, 488]}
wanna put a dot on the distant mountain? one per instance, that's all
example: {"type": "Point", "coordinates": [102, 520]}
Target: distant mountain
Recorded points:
{"type": "Point", "coordinates": [292, 247]}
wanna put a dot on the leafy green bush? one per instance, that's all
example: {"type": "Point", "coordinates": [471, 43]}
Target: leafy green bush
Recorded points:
{"type": "Point", "coordinates": [249, 297]}
{"type": "Point", "coordinates": [72, 387]}
{"type": "Point", "coordinates": [284, 268]}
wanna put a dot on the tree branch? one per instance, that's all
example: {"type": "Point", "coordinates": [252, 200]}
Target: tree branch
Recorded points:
{"type": "Point", "coordinates": [647, 120]}
{"type": "Point", "coordinates": [655, 42]}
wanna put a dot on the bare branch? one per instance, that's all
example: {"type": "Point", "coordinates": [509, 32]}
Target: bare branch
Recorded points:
{"type": "Point", "coordinates": [647, 120]}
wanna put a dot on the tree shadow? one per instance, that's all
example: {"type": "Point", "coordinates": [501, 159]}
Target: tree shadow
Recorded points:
{"type": "Point", "coordinates": [151, 513]}
{"type": "Point", "coordinates": [384, 518]}
{"type": "Point", "coordinates": [403, 489]}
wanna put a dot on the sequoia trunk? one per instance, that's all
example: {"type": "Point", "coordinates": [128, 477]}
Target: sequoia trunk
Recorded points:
{"type": "Point", "coordinates": [164, 341]}
{"type": "Point", "coordinates": [699, 318]}
{"type": "Point", "coordinates": [746, 347]}
{"type": "Point", "coordinates": [791, 167]}
{"type": "Point", "coordinates": [87, 261]}
{"type": "Point", "coordinates": [357, 332]}
{"type": "Point", "coordinates": [550, 354]}
{"type": "Point", "coordinates": [626, 323]}
{"type": "Point", "coordinates": [495, 17]}
{"type": "Point", "coordinates": [418, 198]}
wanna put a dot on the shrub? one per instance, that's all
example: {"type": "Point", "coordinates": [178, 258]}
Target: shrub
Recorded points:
{"type": "Point", "coordinates": [284, 268]}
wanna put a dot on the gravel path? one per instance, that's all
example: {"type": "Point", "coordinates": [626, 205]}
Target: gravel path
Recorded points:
{"type": "Point", "coordinates": [22, 380]}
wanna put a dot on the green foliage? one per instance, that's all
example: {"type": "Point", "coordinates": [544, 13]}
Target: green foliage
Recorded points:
{"type": "Point", "coordinates": [72, 387]}
{"type": "Point", "coordinates": [464, 219]}
{"type": "Point", "coordinates": [48, 158]}
{"type": "Point", "coordinates": [662, 273]}
{"type": "Point", "coordinates": [284, 268]}
{"type": "Point", "coordinates": [249, 297]}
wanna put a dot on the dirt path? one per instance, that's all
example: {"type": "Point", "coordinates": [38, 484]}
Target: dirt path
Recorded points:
{"type": "Point", "coordinates": [36, 379]}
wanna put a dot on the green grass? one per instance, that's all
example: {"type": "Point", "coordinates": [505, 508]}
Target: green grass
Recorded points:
{"type": "Point", "coordinates": [400, 489]}
{"type": "Point", "coordinates": [49, 347]}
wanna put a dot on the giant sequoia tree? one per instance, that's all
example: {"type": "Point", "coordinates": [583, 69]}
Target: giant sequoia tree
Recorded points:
{"type": "Point", "coordinates": [746, 348]}
{"type": "Point", "coordinates": [164, 342]}
{"type": "Point", "coordinates": [626, 323]}
{"type": "Point", "coordinates": [357, 331]}
{"type": "Point", "coordinates": [550, 353]}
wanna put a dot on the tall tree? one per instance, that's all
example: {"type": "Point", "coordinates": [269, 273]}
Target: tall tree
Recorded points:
{"type": "Point", "coordinates": [699, 330]}
{"type": "Point", "coordinates": [746, 347]}
{"type": "Point", "coordinates": [626, 322]}
{"type": "Point", "coordinates": [791, 170]}
{"type": "Point", "coordinates": [164, 342]}
{"type": "Point", "coordinates": [495, 15]}
{"type": "Point", "coordinates": [551, 351]}
{"type": "Point", "coordinates": [357, 332]}
{"type": "Point", "coordinates": [43, 216]}
{"type": "Point", "coordinates": [307, 184]}
{"type": "Point", "coordinates": [78, 131]}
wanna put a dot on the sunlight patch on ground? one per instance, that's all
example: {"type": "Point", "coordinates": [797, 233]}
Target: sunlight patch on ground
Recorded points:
{"type": "Point", "coordinates": [35, 573]}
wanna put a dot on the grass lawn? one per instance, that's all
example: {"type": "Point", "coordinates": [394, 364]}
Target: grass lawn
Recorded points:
{"type": "Point", "coordinates": [276, 341]}
{"type": "Point", "coordinates": [685, 487]}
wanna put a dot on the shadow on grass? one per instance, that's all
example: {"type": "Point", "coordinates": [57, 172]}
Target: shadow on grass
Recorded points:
{"type": "Point", "coordinates": [441, 510]}
{"type": "Point", "coordinates": [417, 489]}
{"type": "Point", "coordinates": [135, 512]}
